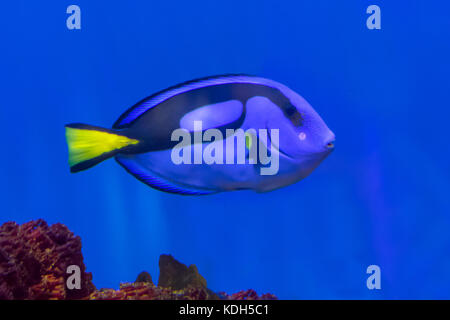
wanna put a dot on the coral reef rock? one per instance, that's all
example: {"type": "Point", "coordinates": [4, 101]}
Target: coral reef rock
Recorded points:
{"type": "Point", "coordinates": [176, 275]}
{"type": "Point", "coordinates": [34, 259]}
{"type": "Point", "coordinates": [145, 277]}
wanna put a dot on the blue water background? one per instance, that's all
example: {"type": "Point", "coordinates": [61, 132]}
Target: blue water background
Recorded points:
{"type": "Point", "coordinates": [381, 198]}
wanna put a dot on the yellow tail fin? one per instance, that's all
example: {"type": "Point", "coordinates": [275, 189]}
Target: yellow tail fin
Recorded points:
{"type": "Point", "coordinates": [89, 145]}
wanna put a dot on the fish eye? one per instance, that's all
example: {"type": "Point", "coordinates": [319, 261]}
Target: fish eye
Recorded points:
{"type": "Point", "coordinates": [302, 136]}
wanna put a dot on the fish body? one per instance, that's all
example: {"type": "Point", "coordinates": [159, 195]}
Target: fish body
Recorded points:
{"type": "Point", "coordinates": [215, 134]}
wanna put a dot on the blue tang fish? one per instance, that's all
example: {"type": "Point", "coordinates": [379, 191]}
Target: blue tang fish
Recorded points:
{"type": "Point", "coordinates": [222, 133]}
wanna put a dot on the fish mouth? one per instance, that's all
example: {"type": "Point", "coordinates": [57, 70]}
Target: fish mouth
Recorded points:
{"type": "Point", "coordinates": [329, 145]}
{"type": "Point", "coordinates": [329, 142]}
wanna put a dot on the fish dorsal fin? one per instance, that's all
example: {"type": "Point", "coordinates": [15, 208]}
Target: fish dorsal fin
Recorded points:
{"type": "Point", "coordinates": [141, 107]}
{"type": "Point", "coordinates": [157, 182]}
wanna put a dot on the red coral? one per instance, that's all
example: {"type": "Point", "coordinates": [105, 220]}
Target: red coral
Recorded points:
{"type": "Point", "coordinates": [148, 291]}
{"type": "Point", "coordinates": [33, 262]}
{"type": "Point", "coordinates": [250, 295]}
{"type": "Point", "coordinates": [34, 258]}
{"type": "Point", "coordinates": [50, 288]}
